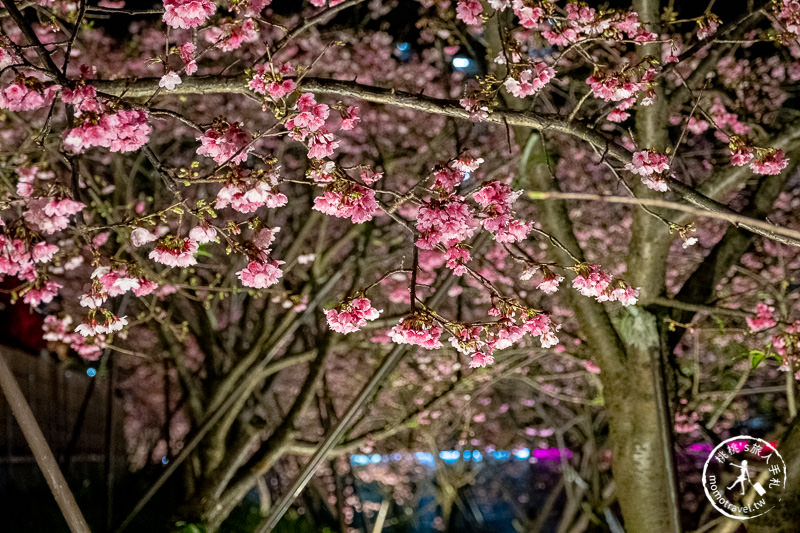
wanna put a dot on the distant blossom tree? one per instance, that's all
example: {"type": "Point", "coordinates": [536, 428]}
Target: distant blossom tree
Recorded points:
{"type": "Point", "coordinates": [573, 220]}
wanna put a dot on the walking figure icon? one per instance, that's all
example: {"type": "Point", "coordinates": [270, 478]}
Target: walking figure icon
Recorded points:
{"type": "Point", "coordinates": [744, 475]}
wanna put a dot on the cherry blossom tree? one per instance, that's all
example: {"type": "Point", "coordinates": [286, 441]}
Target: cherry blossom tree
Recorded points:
{"type": "Point", "coordinates": [539, 220]}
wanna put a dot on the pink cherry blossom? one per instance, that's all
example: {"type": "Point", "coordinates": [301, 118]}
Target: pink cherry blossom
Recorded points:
{"type": "Point", "coordinates": [529, 16]}
{"type": "Point", "coordinates": [142, 236]}
{"type": "Point", "coordinates": [186, 52]}
{"type": "Point", "coordinates": [648, 162]}
{"type": "Point", "coordinates": [591, 281]}
{"type": "Point", "coordinates": [203, 233]}
{"type": "Point", "coordinates": [260, 274]}
{"type": "Point", "coordinates": [27, 94]}
{"type": "Point", "coordinates": [447, 221]}
{"type": "Point", "coordinates": [457, 257]}
{"type": "Point", "coordinates": [225, 143]}
{"type": "Point", "coordinates": [50, 215]}
{"type": "Point", "coordinates": [741, 157]}
{"type": "Point", "coordinates": [469, 11]}
{"type": "Point", "coordinates": [350, 118]}
{"type": "Point", "coordinates": [626, 295]}
{"type": "Point", "coordinates": [771, 164]}
{"type": "Point", "coordinates": [42, 294]}
{"type": "Point", "coordinates": [550, 283]}
{"type": "Point", "coordinates": [175, 252]}
{"type": "Point", "coordinates": [43, 252]}
{"type": "Point", "coordinates": [480, 360]}
{"type": "Point", "coordinates": [170, 80]}
{"type": "Point", "coordinates": [497, 199]}
{"type": "Point", "coordinates": [351, 315]}
{"type": "Point", "coordinates": [355, 202]}
{"type": "Point", "coordinates": [145, 287]}
{"type": "Point", "coordinates": [230, 37]}
{"type": "Point", "coordinates": [764, 318]}
{"type": "Point", "coordinates": [418, 331]}
{"type": "Point", "coordinates": [530, 81]}
{"type": "Point", "coordinates": [187, 14]}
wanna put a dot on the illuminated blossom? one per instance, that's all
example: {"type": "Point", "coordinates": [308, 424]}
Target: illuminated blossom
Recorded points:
{"type": "Point", "coordinates": [175, 252]}
{"type": "Point", "coordinates": [648, 162]}
{"type": "Point", "coordinates": [225, 143]}
{"type": "Point", "coordinates": [187, 14]}
{"type": "Point", "coordinates": [530, 81]}
{"type": "Point", "coordinates": [764, 318]}
{"type": "Point", "coordinates": [170, 80]}
{"type": "Point", "coordinates": [417, 330]}
{"type": "Point", "coordinates": [260, 274]}
{"type": "Point", "coordinates": [351, 315]}
{"type": "Point", "coordinates": [469, 11]}
{"type": "Point", "coordinates": [771, 164]}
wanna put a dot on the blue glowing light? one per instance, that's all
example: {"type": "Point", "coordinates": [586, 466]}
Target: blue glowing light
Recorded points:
{"type": "Point", "coordinates": [91, 372]}
{"type": "Point", "coordinates": [375, 458]}
{"type": "Point", "coordinates": [164, 460]}
{"type": "Point", "coordinates": [521, 453]}
{"type": "Point", "coordinates": [359, 460]}
{"type": "Point", "coordinates": [424, 458]}
{"type": "Point", "coordinates": [461, 62]}
{"type": "Point", "coordinates": [403, 47]}
{"type": "Point", "coordinates": [450, 456]}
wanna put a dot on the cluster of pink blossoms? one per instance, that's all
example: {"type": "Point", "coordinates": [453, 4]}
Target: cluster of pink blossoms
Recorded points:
{"type": "Point", "coordinates": [346, 199]}
{"type": "Point", "coordinates": [788, 12]}
{"type": "Point", "coordinates": [19, 261]}
{"type": "Point", "coordinates": [41, 292]}
{"type": "Point", "coordinates": [456, 258]}
{"type": "Point", "coordinates": [124, 130]}
{"type": "Point", "coordinates": [617, 86]}
{"type": "Point", "coordinates": [417, 329]}
{"type": "Point", "coordinates": [225, 143]}
{"type": "Point", "coordinates": [763, 319]}
{"type": "Point", "coordinates": [707, 26]}
{"type": "Point", "coordinates": [530, 81]}
{"type": "Point", "coordinates": [186, 51]}
{"type": "Point", "coordinates": [786, 344]}
{"type": "Point", "coordinates": [247, 193]}
{"type": "Point", "coordinates": [496, 199]}
{"type": "Point", "coordinates": [27, 94]}
{"type": "Point", "coordinates": [593, 282]}
{"type": "Point", "coordinates": [269, 80]}
{"type": "Point", "coordinates": [110, 323]}
{"type": "Point", "coordinates": [447, 220]}
{"type": "Point", "coordinates": [351, 315]}
{"type": "Point", "coordinates": [504, 333]}
{"type": "Point", "coordinates": [550, 280]}
{"type": "Point", "coordinates": [49, 215]}
{"type": "Point", "coordinates": [309, 123]}
{"type": "Point", "coordinates": [770, 164]}
{"type": "Point", "coordinates": [530, 15]}
{"type": "Point", "coordinates": [649, 164]}
{"type": "Point", "coordinates": [583, 21]}
{"type": "Point", "coordinates": [260, 274]}
{"type": "Point", "coordinates": [187, 14]}
{"type": "Point", "coordinates": [467, 340]}
{"type": "Point", "coordinates": [175, 251]}
{"type": "Point", "coordinates": [108, 283]}
{"type": "Point", "coordinates": [60, 330]}
{"type": "Point", "coordinates": [469, 11]}
{"type": "Point", "coordinates": [262, 271]}
{"type": "Point", "coordinates": [230, 37]}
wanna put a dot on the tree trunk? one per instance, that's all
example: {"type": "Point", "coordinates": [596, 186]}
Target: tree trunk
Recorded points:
{"type": "Point", "coordinates": [784, 517]}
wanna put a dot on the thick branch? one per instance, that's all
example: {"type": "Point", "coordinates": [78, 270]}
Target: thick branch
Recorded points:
{"type": "Point", "coordinates": [546, 122]}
